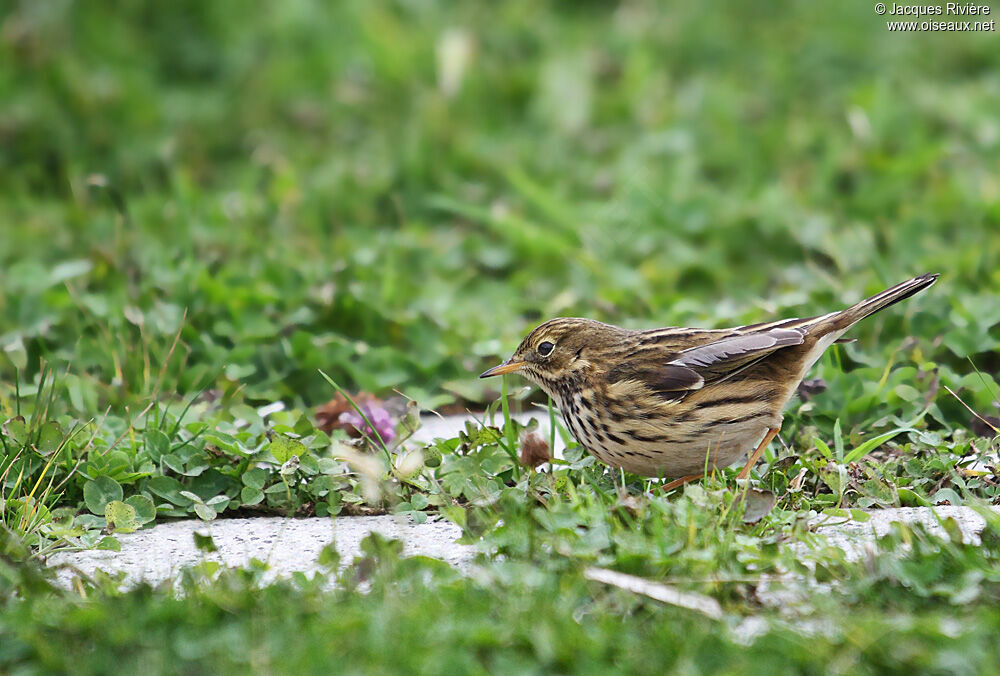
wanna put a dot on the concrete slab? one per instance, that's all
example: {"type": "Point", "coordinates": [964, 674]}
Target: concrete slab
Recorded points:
{"type": "Point", "coordinates": [857, 538]}
{"type": "Point", "coordinates": [286, 545]}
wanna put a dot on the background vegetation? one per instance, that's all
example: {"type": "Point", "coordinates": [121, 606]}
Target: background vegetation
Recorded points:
{"type": "Point", "coordinates": [202, 204]}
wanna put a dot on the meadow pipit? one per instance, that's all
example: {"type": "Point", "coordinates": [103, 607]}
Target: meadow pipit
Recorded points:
{"type": "Point", "coordinates": [674, 401]}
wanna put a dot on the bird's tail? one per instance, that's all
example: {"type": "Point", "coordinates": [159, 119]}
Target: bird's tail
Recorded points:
{"type": "Point", "coordinates": [854, 314]}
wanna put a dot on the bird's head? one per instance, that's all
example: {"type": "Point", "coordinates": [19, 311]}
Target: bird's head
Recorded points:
{"type": "Point", "coordinates": [560, 349]}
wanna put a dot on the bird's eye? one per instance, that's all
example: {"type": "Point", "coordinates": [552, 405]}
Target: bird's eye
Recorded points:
{"type": "Point", "coordinates": [545, 348]}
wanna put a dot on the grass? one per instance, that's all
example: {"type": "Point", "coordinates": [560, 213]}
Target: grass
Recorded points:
{"type": "Point", "coordinates": [201, 214]}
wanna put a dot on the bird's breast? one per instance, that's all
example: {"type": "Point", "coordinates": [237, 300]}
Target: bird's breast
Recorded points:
{"type": "Point", "coordinates": [643, 436]}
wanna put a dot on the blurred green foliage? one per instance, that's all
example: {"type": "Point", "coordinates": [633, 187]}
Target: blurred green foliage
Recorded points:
{"type": "Point", "coordinates": [397, 191]}
{"type": "Point", "coordinates": [421, 615]}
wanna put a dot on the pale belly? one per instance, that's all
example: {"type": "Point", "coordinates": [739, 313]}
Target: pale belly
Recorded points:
{"type": "Point", "coordinates": [667, 451]}
{"type": "Point", "coordinates": [677, 458]}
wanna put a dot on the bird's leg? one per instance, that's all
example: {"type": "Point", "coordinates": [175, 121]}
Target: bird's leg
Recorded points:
{"type": "Point", "coordinates": [771, 433]}
{"type": "Point", "coordinates": [619, 490]}
{"type": "Point", "coordinates": [680, 482]}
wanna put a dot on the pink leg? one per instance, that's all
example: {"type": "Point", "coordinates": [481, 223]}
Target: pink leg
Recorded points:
{"type": "Point", "coordinates": [680, 482]}
{"type": "Point", "coordinates": [771, 433]}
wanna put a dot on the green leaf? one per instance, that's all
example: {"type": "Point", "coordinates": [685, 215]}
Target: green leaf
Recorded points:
{"type": "Point", "coordinates": [145, 510]}
{"type": "Point", "coordinates": [254, 478]}
{"type": "Point", "coordinates": [949, 495]}
{"type": "Point", "coordinates": [16, 430]}
{"type": "Point", "coordinates": [170, 489]}
{"type": "Point", "coordinates": [835, 477]}
{"type": "Point", "coordinates": [68, 270]}
{"type": "Point", "coordinates": [90, 522]}
{"type": "Point", "coordinates": [62, 517]}
{"type": "Point", "coordinates": [211, 483]}
{"type": "Point", "coordinates": [860, 515]}
{"type": "Point", "coordinates": [50, 436]}
{"type": "Point", "coordinates": [873, 443]}
{"type": "Point", "coordinates": [98, 492]}
{"type": "Point", "coordinates": [223, 442]}
{"type": "Point", "coordinates": [432, 456]}
{"type": "Point", "coordinates": [251, 496]}
{"type": "Point", "coordinates": [17, 353]}
{"type": "Point", "coordinates": [157, 443]}
{"type": "Point", "coordinates": [204, 513]}
{"type": "Point", "coordinates": [823, 448]}
{"type": "Point", "coordinates": [909, 498]}
{"type": "Point", "coordinates": [174, 462]}
{"type": "Point", "coordinates": [283, 448]}
{"type": "Point", "coordinates": [204, 542]}
{"type": "Point", "coordinates": [329, 557]}
{"type": "Point", "coordinates": [121, 516]}
{"type": "Point", "coordinates": [109, 544]}
{"type": "Point", "coordinates": [455, 513]}
{"type": "Point", "coordinates": [195, 466]}
{"type": "Point", "coordinates": [838, 441]}
{"type": "Point", "coordinates": [329, 466]}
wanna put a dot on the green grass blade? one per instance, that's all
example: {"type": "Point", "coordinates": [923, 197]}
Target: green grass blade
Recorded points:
{"type": "Point", "coordinates": [357, 409]}
{"type": "Point", "coordinates": [873, 443]}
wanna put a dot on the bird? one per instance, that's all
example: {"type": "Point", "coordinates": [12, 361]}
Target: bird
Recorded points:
{"type": "Point", "coordinates": [680, 402]}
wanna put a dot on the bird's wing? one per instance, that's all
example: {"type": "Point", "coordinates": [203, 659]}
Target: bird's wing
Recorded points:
{"type": "Point", "coordinates": [694, 367]}
{"type": "Point", "coordinates": [724, 358]}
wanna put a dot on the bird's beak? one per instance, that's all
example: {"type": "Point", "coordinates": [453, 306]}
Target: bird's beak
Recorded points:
{"type": "Point", "coordinates": [508, 366]}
